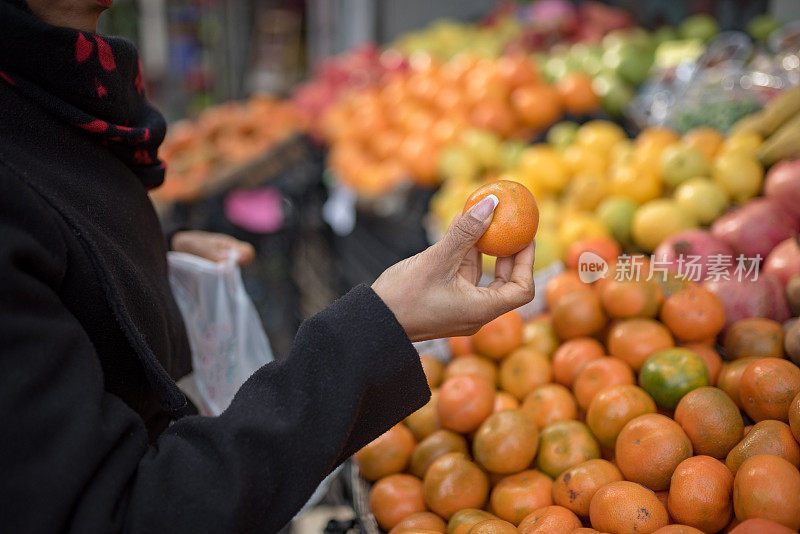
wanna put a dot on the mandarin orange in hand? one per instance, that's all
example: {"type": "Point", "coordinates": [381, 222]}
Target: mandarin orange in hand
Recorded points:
{"type": "Point", "coordinates": [515, 220]}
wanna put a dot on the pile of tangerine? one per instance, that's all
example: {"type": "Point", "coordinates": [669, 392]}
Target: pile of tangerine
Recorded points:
{"type": "Point", "coordinates": [383, 136]}
{"type": "Point", "coordinates": [612, 412]}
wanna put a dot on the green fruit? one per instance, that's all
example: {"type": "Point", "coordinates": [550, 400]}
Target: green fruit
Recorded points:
{"type": "Point", "coordinates": [485, 146]}
{"type": "Point", "coordinates": [761, 26]}
{"type": "Point", "coordinates": [587, 58]}
{"type": "Point", "coordinates": [615, 92]}
{"type": "Point", "coordinates": [511, 152]}
{"type": "Point", "coordinates": [548, 250]}
{"type": "Point", "coordinates": [458, 162]}
{"type": "Point", "coordinates": [670, 374]}
{"type": "Point", "coordinates": [702, 27]}
{"type": "Point", "coordinates": [703, 198]}
{"type": "Point", "coordinates": [617, 214]}
{"type": "Point", "coordinates": [635, 36]}
{"type": "Point", "coordinates": [563, 445]}
{"type": "Point", "coordinates": [680, 163]}
{"type": "Point", "coordinates": [555, 68]}
{"type": "Point", "coordinates": [630, 61]}
{"type": "Point", "coordinates": [563, 134]}
{"type": "Point", "coordinates": [664, 34]}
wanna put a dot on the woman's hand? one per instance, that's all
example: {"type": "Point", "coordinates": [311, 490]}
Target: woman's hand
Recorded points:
{"type": "Point", "coordinates": [214, 247]}
{"type": "Point", "coordinates": [435, 294]}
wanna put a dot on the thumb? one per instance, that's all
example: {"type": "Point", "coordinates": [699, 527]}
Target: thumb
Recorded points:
{"type": "Point", "coordinates": [468, 228]}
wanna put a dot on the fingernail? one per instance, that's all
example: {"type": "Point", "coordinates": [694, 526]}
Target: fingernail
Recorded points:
{"type": "Point", "coordinates": [484, 208]}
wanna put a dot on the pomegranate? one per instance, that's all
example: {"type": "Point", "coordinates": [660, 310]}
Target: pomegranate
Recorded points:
{"type": "Point", "coordinates": [783, 184]}
{"type": "Point", "coordinates": [761, 296]}
{"type": "Point", "coordinates": [678, 249]}
{"type": "Point", "coordinates": [784, 260]}
{"type": "Point", "coordinates": [756, 228]}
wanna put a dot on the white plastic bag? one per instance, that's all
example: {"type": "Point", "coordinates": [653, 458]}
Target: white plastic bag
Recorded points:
{"type": "Point", "coordinates": [225, 333]}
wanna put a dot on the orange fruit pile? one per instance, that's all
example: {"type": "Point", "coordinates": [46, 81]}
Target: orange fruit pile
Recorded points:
{"type": "Point", "coordinates": [221, 138]}
{"type": "Point", "coordinates": [386, 135]}
{"type": "Point", "coordinates": [629, 422]}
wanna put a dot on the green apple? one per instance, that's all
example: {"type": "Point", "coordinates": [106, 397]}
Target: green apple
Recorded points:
{"type": "Point", "coordinates": [587, 58]}
{"type": "Point", "coordinates": [458, 162]}
{"type": "Point", "coordinates": [512, 150]}
{"type": "Point", "coordinates": [485, 146]}
{"type": "Point", "coordinates": [703, 198]}
{"type": "Point", "coordinates": [617, 214]}
{"type": "Point", "coordinates": [563, 134]}
{"type": "Point", "coordinates": [630, 61]}
{"type": "Point", "coordinates": [635, 36]}
{"type": "Point", "coordinates": [614, 91]}
{"type": "Point", "coordinates": [664, 34]}
{"type": "Point", "coordinates": [761, 26]}
{"type": "Point", "coordinates": [555, 67]}
{"type": "Point", "coordinates": [592, 62]}
{"type": "Point", "coordinates": [672, 53]}
{"type": "Point", "coordinates": [680, 163]}
{"type": "Point", "coordinates": [701, 26]}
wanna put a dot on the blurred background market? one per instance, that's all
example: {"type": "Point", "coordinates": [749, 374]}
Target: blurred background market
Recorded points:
{"type": "Point", "coordinates": [341, 136]}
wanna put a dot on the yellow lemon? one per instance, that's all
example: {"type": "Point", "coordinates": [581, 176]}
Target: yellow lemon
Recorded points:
{"type": "Point", "coordinates": [600, 135]}
{"type": "Point", "coordinates": [631, 182]}
{"type": "Point", "coordinates": [549, 212]}
{"type": "Point", "coordinates": [739, 173]}
{"type": "Point", "coordinates": [548, 249]}
{"type": "Point", "coordinates": [622, 153]}
{"type": "Point", "coordinates": [748, 142]}
{"type": "Point", "coordinates": [577, 225]}
{"type": "Point", "coordinates": [703, 198]}
{"type": "Point", "coordinates": [658, 219]}
{"type": "Point", "coordinates": [582, 159]}
{"type": "Point", "coordinates": [543, 166]}
{"type": "Point", "coordinates": [586, 191]}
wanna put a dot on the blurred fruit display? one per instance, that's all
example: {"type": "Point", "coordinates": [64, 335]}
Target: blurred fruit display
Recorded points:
{"type": "Point", "coordinates": [592, 181]}
{"type": "Point", "coordinates": [361, 67]}
{"type": "Point", "coordinates": [384, 136]}
{"type": "Point", "coordinates": [222, 138]}
{"type": "Point", "coordinates": [461, 99]}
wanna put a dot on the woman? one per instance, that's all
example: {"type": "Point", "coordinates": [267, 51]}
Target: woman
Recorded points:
{"type": "Point", "coordinates": [91, 337]}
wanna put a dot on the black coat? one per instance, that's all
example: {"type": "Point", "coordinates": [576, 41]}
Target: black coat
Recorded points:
{"type": "Point", "coordinates": [90, 340]}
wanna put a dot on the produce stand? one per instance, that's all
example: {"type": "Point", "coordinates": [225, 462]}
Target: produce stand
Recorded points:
{"type": "Point", "coordinates": [643, 146]}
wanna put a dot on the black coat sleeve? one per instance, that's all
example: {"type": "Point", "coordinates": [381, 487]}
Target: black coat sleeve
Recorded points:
{"type": "Point", "coordinates": [75, 458]}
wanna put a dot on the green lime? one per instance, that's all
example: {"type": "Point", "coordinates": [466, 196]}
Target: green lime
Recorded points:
{"type": "Point", "coordinates": [670, 374]}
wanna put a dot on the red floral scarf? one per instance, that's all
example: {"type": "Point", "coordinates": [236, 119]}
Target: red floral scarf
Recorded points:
{"type": "Point", "coordinates": [91, 81]}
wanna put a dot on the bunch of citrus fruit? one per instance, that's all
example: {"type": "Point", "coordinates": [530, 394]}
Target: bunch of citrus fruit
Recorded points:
{"type": "Point", "coordinates": [383, 136]}
{"type": "Point", "coordinates": [613, 412]}
{"type": "Point", "coordinates": [223, 137]}
{"type": "Point", "coordinates": [592, 181]}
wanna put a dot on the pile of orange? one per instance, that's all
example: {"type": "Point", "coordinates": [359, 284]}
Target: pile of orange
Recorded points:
{"type": "Point", "coordinates": [613, 412]}
{"type": "Point", "coordinates": [223, 137]}
{"type": "Point", "coordinates": [383, 136]}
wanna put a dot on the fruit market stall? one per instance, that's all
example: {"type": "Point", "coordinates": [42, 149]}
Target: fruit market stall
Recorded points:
{"type": "Point", "coordinates": [653, 386]}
